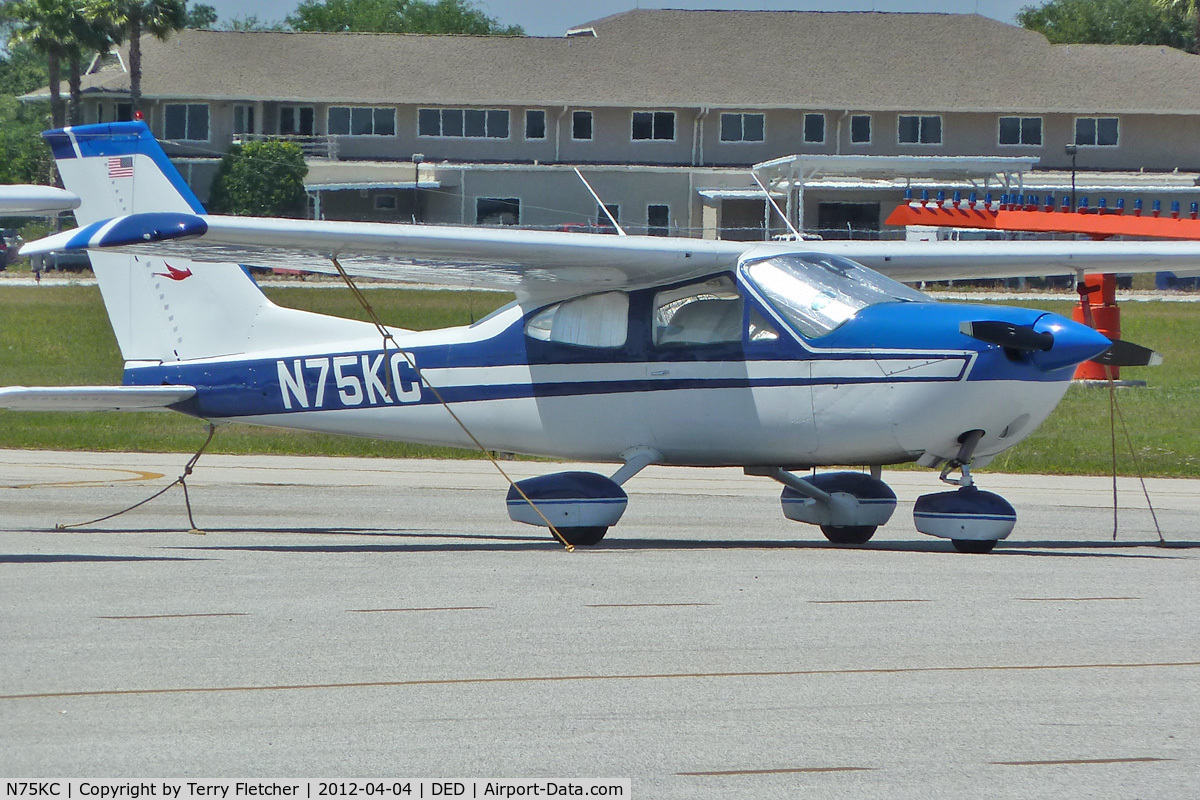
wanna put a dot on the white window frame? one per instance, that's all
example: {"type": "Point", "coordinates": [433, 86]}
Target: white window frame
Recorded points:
{"type": "Point", "coordinates": [186, 113]}
{"type": "Point", "coordinates": [1021, 132]}
{"type": "Point", "coordinates": [920, 125]}
{"type": "Point", "coordinates": [545, 127]}
{"type": "Point", "coordinates": [1075, 123]}
{"type": "Point", "coordinates": [297, 110]}
{"type": "Point", "coordinates": [870, 130]}
{"type": "Point", "coordinates": [247, 112]}
{"type": "Point", "coordinates": [655, 113]}
{"type": "Point", "coordinates": [441, 125]}
{"type": "Point", "coordinates": [372, 134]}
{"type": "Point", "coordinates": [592, 116]}
{"type": "Point", "coordinates": [804, 128]}
{"type": "Point", "coordinates": [666, 227]}
{"type": "Point", "coordinates": [742, 118]}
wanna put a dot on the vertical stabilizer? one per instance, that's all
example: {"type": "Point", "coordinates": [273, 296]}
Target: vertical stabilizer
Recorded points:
{"type": "Point", "coordinates": [165, 310]}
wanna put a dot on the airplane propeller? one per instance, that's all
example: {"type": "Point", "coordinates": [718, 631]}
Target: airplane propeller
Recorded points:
{"type": "Point", "coordinates": [1025, 338]}
{"type": "Point", "coordinates": [1128, 354]}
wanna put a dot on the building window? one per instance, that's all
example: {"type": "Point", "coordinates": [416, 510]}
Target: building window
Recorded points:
{"type": "Point", "coordinates": [243, 119]}
{"type": "Point", "coordinates": [497, 211]}
{"type": "Point", "coordinates": [814, 128]}
{"type": "Point", "coordinates": [186, 122]}
{"type": "Point", "coordinates": [860, 129]}
{"type": "Point", "coordinates": [1021, 130]}
{"type": "Point", "coordinates": [1097, 131]}
{"type": "Point", "coordinates": [535, 123]}
{"type": "Point", "coordinates": [296, 120]}
{"type": "Point", "coordinates": [581, 126]}
{"type": "Point", "coordinates": [742, 127]}
{"type": "Point", "coordinates": [658, 220]}
{"type": "Point", "coordinates": [385, 202]}
{"type": "Point", "coordinates": [912, 129]}
{"type": "Point", "coordinates": [124, 112]}
{"type": "Point", "coordinates": [654, 125]}
{"type": "Point", "coordinates": [99, 113]}
{"type": "Point", "coordinates": [361, 121]}
{"type": "Point", "coordinates": [457, 123]}
{"type": "Point", "coordinates": [602, 220]}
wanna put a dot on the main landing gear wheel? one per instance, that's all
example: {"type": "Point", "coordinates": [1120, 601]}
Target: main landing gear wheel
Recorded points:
{"type": "Point", "coordinates": [849, 534]}
{"type": "Point", "coordinates": [584, 536]}
{"type": "Point", "coordinates": [973, 545]}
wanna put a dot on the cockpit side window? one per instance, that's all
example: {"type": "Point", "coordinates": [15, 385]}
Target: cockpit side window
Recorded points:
{"type": "Point", "coordinates": [758, 329]}
{"type": "Point", "coordinates": [598, 320]}
{"type": "Point", "coordinates": [697, 314]}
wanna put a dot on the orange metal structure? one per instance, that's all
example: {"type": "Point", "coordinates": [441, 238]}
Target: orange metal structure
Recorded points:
{"type": "Point", "coordinates": [1096, 223]}
{"type": "Point", "coordinates": [1100, 313]}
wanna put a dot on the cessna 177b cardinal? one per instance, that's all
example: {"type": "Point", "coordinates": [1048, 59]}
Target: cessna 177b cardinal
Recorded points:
{"type": "Point", "coordinates": [774, 357]}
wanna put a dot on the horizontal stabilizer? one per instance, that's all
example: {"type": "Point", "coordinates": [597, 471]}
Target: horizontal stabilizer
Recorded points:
{"type": "Point", "coordinates": [23, 199]}
{"type": "Point", "coordinates": [93, 398]}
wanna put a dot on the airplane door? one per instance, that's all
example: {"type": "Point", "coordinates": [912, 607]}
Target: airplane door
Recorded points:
{"type": "Point", "coordinates": [727, 373]}
{"type": "Point", "coordinates": [782, 387]}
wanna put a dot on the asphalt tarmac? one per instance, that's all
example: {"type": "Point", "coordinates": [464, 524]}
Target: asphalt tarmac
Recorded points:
{"type": "Point", "coordinates": [372, 618]}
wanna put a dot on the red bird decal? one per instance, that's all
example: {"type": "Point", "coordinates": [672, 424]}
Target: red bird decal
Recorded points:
{"type": "Point", "coordinates": [175, 274]}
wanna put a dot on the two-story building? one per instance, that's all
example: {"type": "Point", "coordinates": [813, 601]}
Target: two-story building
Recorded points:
{"type": "Point", "coordinates": [665, 112]}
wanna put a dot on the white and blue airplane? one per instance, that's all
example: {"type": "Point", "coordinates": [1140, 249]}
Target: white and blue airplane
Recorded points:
{"type": "Point", "coordinates": [774, 357]}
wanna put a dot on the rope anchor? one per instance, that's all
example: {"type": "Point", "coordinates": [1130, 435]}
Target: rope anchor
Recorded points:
{"type": "Point", "coordinates": [180, 481]}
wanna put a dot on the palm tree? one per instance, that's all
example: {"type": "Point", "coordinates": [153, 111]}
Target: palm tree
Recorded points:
{"type": "Point", "coordinates": [1188, 9]}
{"type": "Point", "coordinates": [45, 26]}
{"type": "Point", "coordinates": [86, 33]}
{"type": "Point", "coordinates": [133, 18]}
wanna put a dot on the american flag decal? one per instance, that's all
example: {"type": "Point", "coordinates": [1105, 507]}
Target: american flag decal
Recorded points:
{"type": "Point", "coordinates": [120, 167]}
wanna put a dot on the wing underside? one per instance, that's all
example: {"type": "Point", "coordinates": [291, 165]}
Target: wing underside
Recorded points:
{"type": "Point", "coordinates": [541, 264]}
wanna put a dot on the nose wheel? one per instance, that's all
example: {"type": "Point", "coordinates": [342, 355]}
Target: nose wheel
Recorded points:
{"type": "Point", "coordinates": [974, 545]}
{"type": "Point", "coordinates": [973, 520]}
{"type": "Point", "coordinates": [849, 534]}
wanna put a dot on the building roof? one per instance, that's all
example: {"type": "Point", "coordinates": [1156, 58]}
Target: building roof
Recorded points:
{"type": "Point", "coordinates": [662, 58]}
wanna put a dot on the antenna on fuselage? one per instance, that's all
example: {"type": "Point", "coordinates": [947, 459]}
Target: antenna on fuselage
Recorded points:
{"type": "Point", "coordinates": [775, 206]}
{"type": "Point", "coordinates": [599, 202]}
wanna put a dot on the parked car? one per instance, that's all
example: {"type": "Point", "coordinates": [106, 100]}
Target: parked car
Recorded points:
{"type": "Point", "coordinates": [69, 260]}
{"type": "Point", "coordinates": [10, 243]}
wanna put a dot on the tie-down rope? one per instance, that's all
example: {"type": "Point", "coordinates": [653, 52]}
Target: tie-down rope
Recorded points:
{"type": "Point", "coordinates": [1114, 412]}
{"type": "Point", "coordinates": [387, 337]}
{"type": "Point", "coordinates": [180, 481]}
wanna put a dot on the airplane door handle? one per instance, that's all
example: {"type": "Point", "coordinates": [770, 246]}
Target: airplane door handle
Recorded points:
{"type": "Point", "coordinates": [657, 372]}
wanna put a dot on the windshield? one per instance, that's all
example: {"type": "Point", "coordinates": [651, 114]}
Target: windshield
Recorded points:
{"type": "Point", "coordinates": [818, 292]}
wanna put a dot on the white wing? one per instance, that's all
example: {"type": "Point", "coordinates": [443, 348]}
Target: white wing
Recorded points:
{"type": "Point", "coordinates": [544, 264]}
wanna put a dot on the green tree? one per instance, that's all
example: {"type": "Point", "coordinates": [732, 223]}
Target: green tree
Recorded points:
{"type": "Point", "coordinates": [201, 15]}
{"type": "Point", "coordinates": [260, 179]}
{"type": "Point", "coordinates": [24, 157]}
{"type": "Point", "coordinates": [88, 34]}
{"type": "Point", "coordinates": [44, 26]}
{"type": "Point", "coordinates": [129, 19]}
{"type": "Point", "coordinates": [1188, 9]}
{"type": "Point", "coordinates": [1111, 22]}
{"type": "Point", "coordinates": [21, 70]}
{"type": "Point", "coordinates": [250, 22]}
{"type": "Point", "coordinates": [397, 16]}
